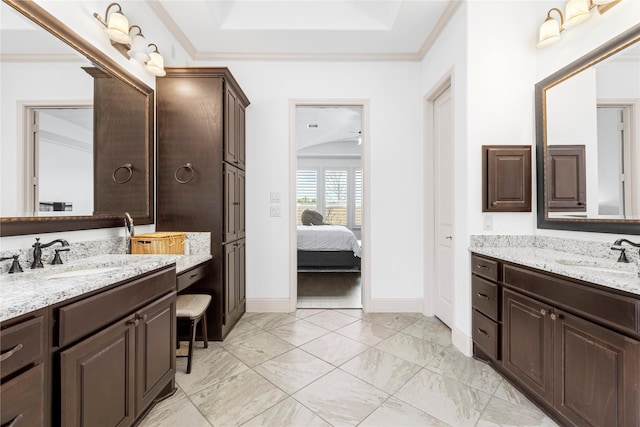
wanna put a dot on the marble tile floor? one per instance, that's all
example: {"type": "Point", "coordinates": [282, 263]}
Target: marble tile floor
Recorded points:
{"type": "Point", "coordinates": [329, 290]}
{"type": "Point", "coordinates": [320, 367]}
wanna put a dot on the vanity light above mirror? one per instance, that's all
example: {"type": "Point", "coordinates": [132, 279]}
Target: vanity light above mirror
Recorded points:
{"type": "Point", "coordinates": [130, 45]}
{"type": "Point", "coordinates": [575, 13]}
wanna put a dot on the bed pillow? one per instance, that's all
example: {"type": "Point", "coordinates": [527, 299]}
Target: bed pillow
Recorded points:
{"type": "Point", "coordinates": [311, 217]}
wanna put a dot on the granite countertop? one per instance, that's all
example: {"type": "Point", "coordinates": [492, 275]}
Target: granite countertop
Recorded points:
{"type": "Point", "coordinates": [22, 293]}
{"type": "Point", "coordinates": [600, 271]}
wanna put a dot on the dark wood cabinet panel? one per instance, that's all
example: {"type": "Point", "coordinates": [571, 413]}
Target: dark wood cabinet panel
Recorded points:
{"type": "Point", "coordinates": [230, 279]}
{"type": "Point", "coordinates": [486, 334]}
{"type": "Point", "coordinates": [22, 345]}
{"type": "Point", "coordinates": [242, 297]}
{"type": "Point", "coordinates": [566, 180]}
{"type": "Point", "coordinates": [597, 373]}
{"type": "Point", "coordinates": [484, 297]}
{"type": "Point", "coordinates": [155, 350]}
{"type": "Point", "coordinates": [97, 378]}
{"type": "Point", "coordinates": [527, 343]}
{"type": "Point", "coordinates": [506, 176]}
{"type": "Point", "coordinates": [211, 105]}
{"type": "Point", "coordinates": [23, 399]}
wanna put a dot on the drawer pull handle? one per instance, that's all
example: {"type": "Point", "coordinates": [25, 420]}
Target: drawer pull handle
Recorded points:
{"type": "Point", "coordinates": [481, 295]}
{"type": "Point", "coordinates": [555, 316]}
{"type": "Point", "coordinates": [483, 332]}
{"type": "Point", "coordinates": [193, 276]}
{"type": "Point", "coordinates": [10, 353]}
{"type": "Point", "coordinates": [482, 266]}
{"type": "Point", "coordinates": [14, 422]}
{"type": "Point", "coordinates": [543, 312]}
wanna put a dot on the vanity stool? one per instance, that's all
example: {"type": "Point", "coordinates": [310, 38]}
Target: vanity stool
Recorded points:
{"type": "Point", "coordinates": [193, 307]}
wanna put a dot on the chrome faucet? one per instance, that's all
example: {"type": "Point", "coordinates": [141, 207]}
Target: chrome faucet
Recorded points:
{"type": "Point", "coordinates": [37, 251]}
{"type": "Point", "coordinates": [617, 246]}
{"type": "Point", "coordinates": [128, 230]}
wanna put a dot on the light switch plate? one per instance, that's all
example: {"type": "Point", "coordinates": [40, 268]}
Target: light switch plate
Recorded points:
{"type": "Point", "coordinates": [274, 211]}
{"type": "Point", "coordinates": [487, 222]}
{"type": "Point", "coordinates": [275, 197]}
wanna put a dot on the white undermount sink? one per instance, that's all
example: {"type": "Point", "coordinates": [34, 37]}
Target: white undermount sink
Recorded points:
{"type": "Point", "coordinates": [606, 266]}
{"type": "Point", "coordinates": [82, 272]}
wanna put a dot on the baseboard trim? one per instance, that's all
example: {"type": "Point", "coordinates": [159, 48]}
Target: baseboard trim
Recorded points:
{"type": "Point", "coordinates": [462, 342]}
{"type": "Point", "coordinates": [268, 305]}
{"type": "Point", "coordinates": [384, 305]}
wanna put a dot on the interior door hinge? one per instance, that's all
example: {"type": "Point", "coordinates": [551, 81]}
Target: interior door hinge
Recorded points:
{"type": "Point", "coordinates": [621, 126]}
{"type": "Point", "coordinates": [34, 180]}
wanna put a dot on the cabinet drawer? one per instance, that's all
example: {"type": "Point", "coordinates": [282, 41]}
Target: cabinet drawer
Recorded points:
{"type": "Point", "coordinates": [599, 305]}
{"type": "Point", "coordinates": [484, 267]}
{"type": "Point", "coordinates": [21, 345]}
{"type": "Point", "coordinates": [485, 297]}
{"type": "Point", "coordinates": [90, 314]}
{"type": "Point", "coordinates": [485, 334]}
{"type": "Point", "coordinates": [190, 277]}
{"type": "Point", "coordinates": [23, 399]}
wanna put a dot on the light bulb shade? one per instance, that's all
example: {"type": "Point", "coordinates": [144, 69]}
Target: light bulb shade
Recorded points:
{"type": "Point", "coordinates": [155, 65]}
{"type": "Point", "coordinates": [601, 2]}
{"type": "Point", "coordinates": [118, 28]}
{"type": "Point", "coordinates": [139, 48]}
{"type": "Point", "coordinates": [549, 32]}
{"type": "Point", "coordinates": [576, 12]}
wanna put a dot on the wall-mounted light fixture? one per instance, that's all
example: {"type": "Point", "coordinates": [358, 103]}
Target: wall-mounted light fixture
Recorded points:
{"type": "Point", "coordinates": [575, 12]}
{"type": "Point", "coordinates": [131, 46]}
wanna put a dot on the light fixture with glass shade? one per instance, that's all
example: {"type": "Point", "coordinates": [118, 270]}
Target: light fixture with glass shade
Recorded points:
{"type": "Point", "coordinates": [139, 49]}
{"type": "Point", "coordinates": [155, 64]}
{"type": "Point", "coordinates": [576, 12]}
{"type": "Point", "coordinates": [134, 47]}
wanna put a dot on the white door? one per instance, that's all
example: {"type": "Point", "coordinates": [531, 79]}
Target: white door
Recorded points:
{"type": "Point", "coordinates": [443, 206]}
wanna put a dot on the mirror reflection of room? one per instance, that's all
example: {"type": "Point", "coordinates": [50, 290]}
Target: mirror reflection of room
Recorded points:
{"type": "Point", "coordinates": [329, 206]}
{"type": "Point", "coordinates": [592, 140]}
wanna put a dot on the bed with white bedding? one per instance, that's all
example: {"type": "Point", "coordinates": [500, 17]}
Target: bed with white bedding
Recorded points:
{"type": "Point", "coordinates": [327, 247]}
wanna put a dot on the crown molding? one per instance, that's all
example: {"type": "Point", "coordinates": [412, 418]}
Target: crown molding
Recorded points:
{"type": "Point", "coordinates": [42, 57]}
{"type": "Point", "coordinates": [439, 27]}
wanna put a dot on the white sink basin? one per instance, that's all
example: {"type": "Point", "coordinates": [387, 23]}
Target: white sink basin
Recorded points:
{"type": "Point", "coordinates": [82, 272]}
{"type": "Point", "coordinates": [606, 266]}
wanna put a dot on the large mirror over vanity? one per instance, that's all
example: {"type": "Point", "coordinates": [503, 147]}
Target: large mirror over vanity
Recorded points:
{"type": "Point", "coordinates": [77, 130]}
{"type": "Point", "coordinates": [588, 141]}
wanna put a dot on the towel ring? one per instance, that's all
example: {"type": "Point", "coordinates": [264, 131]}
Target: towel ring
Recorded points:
{"type": "Point", "coordinates": [127, 166]}
{"type": "Point", "coordinates": [188, 167]}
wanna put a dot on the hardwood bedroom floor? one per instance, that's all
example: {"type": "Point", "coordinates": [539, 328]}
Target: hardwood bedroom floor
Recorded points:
{"type": "Point", "coordinates": [329, 290]}
{"type": "Point", "coordinates": [340, 368]}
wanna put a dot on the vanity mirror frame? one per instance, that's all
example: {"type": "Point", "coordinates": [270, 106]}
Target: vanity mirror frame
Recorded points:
{"type": "Point", "coordinates": [11, 226]}
{"type": "Point", "coordinates": [608, 225]}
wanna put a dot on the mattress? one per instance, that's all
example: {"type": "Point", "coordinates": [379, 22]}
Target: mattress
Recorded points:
{"type": "Point", "coordinates": [327, 238]}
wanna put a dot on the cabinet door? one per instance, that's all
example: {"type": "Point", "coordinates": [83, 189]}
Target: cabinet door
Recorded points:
{"type": "Point", "coordinates": [597, 374]}
{"type": "Point", "coordinates": [240, 205]}
{"type": "Point", "coordinates": [241, 285]}
{"type": "Point", "coordinates": [230, 203]}
{"type": "Point", "coordinates": [230, 280]}
{"type": "Point", "coordinates": [155, 349]}
{"type": "Point", "coordinates": [528, 343]}
{"type": "Point", "coordinates": [241, 136]}
{"type": "Point", "coordinates": [97, 378]}
{"type": "Point", "coordinates": [231, 128]}
{"type": "Point", "coordinates": [507, 178]}
{"type": "Point", "coordinates": [566, 180]}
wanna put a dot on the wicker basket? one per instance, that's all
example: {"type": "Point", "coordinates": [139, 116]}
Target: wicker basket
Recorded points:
{"type": "Point", "coordinates": [158, 243]}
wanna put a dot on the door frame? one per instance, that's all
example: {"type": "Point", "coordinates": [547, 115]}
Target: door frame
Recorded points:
{"type": "Point", "coordinates": [365, 270]}
{"type": "Point", "coordinates": [430, 289]}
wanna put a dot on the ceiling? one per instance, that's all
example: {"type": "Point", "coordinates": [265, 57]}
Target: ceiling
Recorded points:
{"type": "Point", "coordinates": [306, 29]}
{"type": "Point", "coordinates": [328, 129]}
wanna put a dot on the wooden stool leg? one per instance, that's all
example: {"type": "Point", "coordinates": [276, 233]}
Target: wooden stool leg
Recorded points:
{"type": "Point", "coordinates": [191, 340]}
{"type": "Point", "coordinates": [203, 322]}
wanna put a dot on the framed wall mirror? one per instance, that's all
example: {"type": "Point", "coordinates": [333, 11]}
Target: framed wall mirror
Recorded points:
{"type": "Point", "coordinates": [77, 129]}
{"type": "Point", "coordinates": [588, 141]}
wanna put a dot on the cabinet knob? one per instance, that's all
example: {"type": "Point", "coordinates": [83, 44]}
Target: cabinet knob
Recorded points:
{"type": "Point", "coordinates": [544, 312]}
{"type": "Point", "coordinates": [133, 322]}
{"type": "Point", "coordinates": [555, 316]}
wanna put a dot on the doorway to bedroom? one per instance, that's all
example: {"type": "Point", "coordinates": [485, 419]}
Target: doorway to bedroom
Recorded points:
{"type": "Point", "coordinates": [329, 206]}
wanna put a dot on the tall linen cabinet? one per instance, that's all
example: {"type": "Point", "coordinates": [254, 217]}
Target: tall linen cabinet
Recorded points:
{"type": "Point", "coordinates": [201, 178]}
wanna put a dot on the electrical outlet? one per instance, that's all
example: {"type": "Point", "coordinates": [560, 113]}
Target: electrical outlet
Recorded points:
{"type": "Point", "coordinates": [275, 211]}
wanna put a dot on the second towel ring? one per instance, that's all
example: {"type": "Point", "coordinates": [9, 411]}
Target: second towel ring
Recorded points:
{"type": "Point", "coordinates": [189, 168]}
{"type": "Point", "coordinates": [127, 166]}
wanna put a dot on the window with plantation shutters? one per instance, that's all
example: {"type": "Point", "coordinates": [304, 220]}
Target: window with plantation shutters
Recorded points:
{"type": "Point", "coordinates": [335, 193]}
{"type": "Point", "coordinates": [306, 191]}
{"type": "Point", "coordinates": [358, 198]}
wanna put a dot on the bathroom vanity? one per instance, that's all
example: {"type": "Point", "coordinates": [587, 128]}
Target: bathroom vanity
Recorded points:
{"type": "Point", "coordinates": [563, 328]}
{"type": "Point", "coordinates": [67, 331]}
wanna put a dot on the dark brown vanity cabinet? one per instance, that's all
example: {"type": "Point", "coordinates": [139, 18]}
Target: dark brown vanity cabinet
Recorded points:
{"type": "Point", "coordinates": [571, 347]}
{"type": "Point", "coordinates": [484, 300]}
{"type": "Point", "coordinates": [201, 178]}
{"type": "Point", "coordinates": [24, 371]}
{"type": "Point", "coordinates": [506, 178]}
{"type": "Point", "coordinates": [112, 375]}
